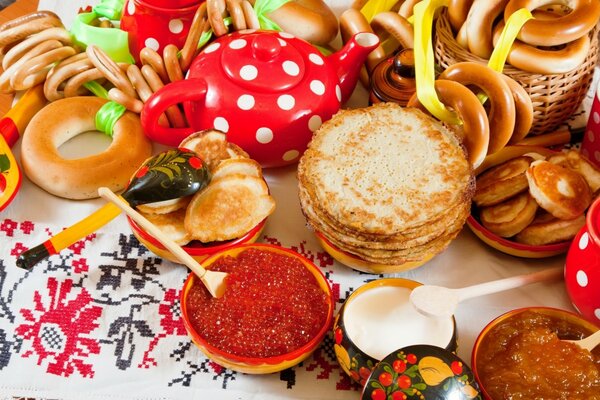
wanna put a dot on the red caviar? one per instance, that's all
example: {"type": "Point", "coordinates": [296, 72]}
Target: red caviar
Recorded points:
{"type": "Point", "coordinates": [273, 305]}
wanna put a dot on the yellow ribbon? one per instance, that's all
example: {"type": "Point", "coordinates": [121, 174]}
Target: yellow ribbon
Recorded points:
{"type": "Point", "coordinates": [373, 7]}
{"type": "Point", "coordinates": [513, 25]}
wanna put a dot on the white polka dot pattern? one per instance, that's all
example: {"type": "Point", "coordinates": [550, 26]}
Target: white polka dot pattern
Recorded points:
{"type": "Point", "coordinates": [238, 44]}
{"type": "Point", "coordinates": [596, 117]}
{"type": "Point", "coordinates": [290, 68]}
{"type": "Point", "coordinates": [282, 42]}
{"type": "Point", "coordinates": [584, 241]}
{"type": "Point", "coordinates": [286, 102]}
{"type": "Point", "coordinates": [582, 278]}
{"type": "Point", "coordinates": [212, 47]}
{"type": "Point", "coordinates": [338, 93]}
{"type": "Point", "coordinates": [590, 135]}
{"type": "Point", "coordinates": [245, 102]}
{"type": "Point", "coordinates": [317, 87]}
{"type": "Point", "coordinates": [315, 59]}
{"type": "Point", "coordinates": [290, 155]}
{"type": "Point", "coordinates": [221, 124]}
{"type": "Point", "coordinates": [249, 72]}
{"type": "Point", "coordinates": [131, 7]}
{"type": "Point", "coordinates": [597, 313]}
{"type": "Point", "coordinates": [152, 43]}
{"type": "Point", "coordinates": [264, 135]}
{"type": "Point", "coordinates": [314, 123]}
{"type": "Point", "coordinates": [175, 26]}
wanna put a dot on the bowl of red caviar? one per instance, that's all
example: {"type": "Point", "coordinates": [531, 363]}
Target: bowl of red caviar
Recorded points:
{"type": "Point", "coordinates": [276, 310]}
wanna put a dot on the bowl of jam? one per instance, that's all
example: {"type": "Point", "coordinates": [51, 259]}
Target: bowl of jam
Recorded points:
{"type": "Point", "coordinates": [377, 319]}
{"type": "Point", "coordinates": [523, 354]}
{"type": "Point", "coordinates": [198, 250]}
{"type": "Point", "coordinates": [276, 309]}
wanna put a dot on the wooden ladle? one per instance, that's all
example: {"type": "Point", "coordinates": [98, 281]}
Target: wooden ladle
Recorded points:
{"type": "Point", "coordinates": [588, 343]}
{"type": "Point", "coordinates": [213, 280]}
{"type": "Point", "coordinates": [438, 301]}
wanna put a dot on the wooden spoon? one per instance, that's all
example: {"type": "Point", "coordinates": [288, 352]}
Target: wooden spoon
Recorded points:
{"type": "Point", "coordinates": [168, 175]}
{"type": "Point", "coordinates": [213, 280]}
{"type": "Point", "coordinates": [588, 343]}
{"type": "Point", "coordinates": [438, 301]}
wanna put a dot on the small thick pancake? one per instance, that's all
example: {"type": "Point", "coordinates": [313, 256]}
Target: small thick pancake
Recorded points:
{"type": "Point", "coordinates": [502, 182]}
{"type": "Point", "coordinates": [212, 146]}
{"type": "Point", "coordinates": [563, 193]}
{"type": "Point", "coordinates": [165, 207]}
{"type": "Point", "coordinates": [228, 208]}
{"type": "Point", "coordinates": [172, 225]}
{"type": "Point", "coordinates": [242, 166]}
{"type": "Point", "coordinates": [575, 161]}
{"type": "Point", "coordinates": [546, 229]}
{"type": "Point", "coordinates": [511, 216]}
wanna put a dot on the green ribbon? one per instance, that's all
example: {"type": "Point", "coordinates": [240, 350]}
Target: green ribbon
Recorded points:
{"type": "Point", "coordinates": [108, 115]}
{"type": "Point", "coordinates": [114, 41]}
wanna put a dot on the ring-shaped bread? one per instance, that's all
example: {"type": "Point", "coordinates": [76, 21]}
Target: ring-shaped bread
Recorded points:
{"type": "Point", "coordinates": [80, 178]}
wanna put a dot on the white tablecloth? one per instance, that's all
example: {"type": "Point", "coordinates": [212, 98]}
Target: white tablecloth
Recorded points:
{"type": "Point", "coordinates": [101, 320]}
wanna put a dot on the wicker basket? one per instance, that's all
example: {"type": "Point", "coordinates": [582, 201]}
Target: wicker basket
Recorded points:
{"type": "Point", "coordinates": [555, 97]}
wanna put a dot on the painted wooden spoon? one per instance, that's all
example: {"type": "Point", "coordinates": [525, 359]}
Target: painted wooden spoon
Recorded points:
{"type": "Point", "coordinates": [168, 175]}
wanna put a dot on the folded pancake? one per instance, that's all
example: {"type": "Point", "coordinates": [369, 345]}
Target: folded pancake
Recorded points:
{"type": "Point", "coordinates": [563, 193]}
{"type": "Point", "coordinates": [511, 216]}
{"type": "Point", "coordinates": [228, 208]}
{"type": "Point", "coordinates": [172, 225]}
{"type": "Point", "coordinates": [502, 182]}
{"type": "Point", "coordinates": [242, 166]}
{"type": "Point", "coordinates": [166, 206]}
{"type": "Point", "coordinates": [212, 147]}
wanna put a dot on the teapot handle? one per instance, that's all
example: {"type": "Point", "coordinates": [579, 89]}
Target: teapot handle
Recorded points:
{"type": "Point", "coordinates": [191, 89]}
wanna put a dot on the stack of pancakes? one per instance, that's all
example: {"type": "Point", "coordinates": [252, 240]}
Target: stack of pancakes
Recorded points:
{"type": "Point", "coordinates": [387, 184]}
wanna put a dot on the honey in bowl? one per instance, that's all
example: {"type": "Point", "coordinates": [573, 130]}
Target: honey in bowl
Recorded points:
{"type": "Point", "coordinates": [523, 357]}
{"type": "Point", "coordinates": [273, 305]}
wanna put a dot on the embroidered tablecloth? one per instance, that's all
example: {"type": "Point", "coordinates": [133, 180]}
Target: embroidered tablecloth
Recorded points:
{"type": "Point", "coordinates": [102, 319]}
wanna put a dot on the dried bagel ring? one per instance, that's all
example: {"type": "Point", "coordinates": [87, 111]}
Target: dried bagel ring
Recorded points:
{"type": "Point", "coordinates": [476, 127]}
{"type": "Point", "coordinates": [62, 72]}
{"type": "Point", "coordinates": [583, 17]}
{"type": "Point", "coordinates": [458, 10]}
{"type": "Point", "coordinates": [480, 23]}
{"type": "Point", "coordinates": [546, 61]}
{"type": "Point", "coordinates": [502, 105]}
{"type": "Point", "coordinates": [352, 21]}
{"type": "Point", "coordinates": [18, 29]}
{"type": "Point", "coordinates": [80, 178]}
{"type": "Point", "coordinates": [523, 110]}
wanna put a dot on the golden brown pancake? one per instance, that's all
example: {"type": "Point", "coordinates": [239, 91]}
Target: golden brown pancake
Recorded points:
{"type": "Point", "coordinates": [547, 229]}
{"type": "Point", "coordinates": [212, 147]}
{"type": "Point", "coordinates": [502, 182]}
{"type": "Point", "coordinates": [511, 216]}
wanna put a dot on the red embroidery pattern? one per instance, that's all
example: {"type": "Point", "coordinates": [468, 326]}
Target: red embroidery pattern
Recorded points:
{"type": "Point", "coordinates": [57, 329]}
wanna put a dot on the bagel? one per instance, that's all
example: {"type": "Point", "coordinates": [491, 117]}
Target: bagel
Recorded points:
{"type": "Point", "coordinates": [458, 10]}
{"type": "Point", "coordinates": [502, 104]}
{"type": "Point", "coordinates": [523, 110]}
{"type": "Point", "coordinates": [543, 60]}
{"type": "Point", "coordinates": [583, 17]}
{"type": "Point", "coordinates": [502, 182]}
{"type": "Point", "coordinates": [352, 21]}
{"type": "Point", "coordinates": [510, 217]}
{"type": "Point", "coordinates": [546, 229]}
{"type": "Point", "coordinates": [563, 193]}
{"type": "Point", "coordinates": [475, 127]}
{"type": "Point", "coordinates": [80, 178]}
{"type": "Point", "coordinates": [480, 21]}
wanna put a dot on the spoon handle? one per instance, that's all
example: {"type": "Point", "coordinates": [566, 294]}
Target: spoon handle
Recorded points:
{"type": "Point", "coordinates": [509, 283]}
{"type": "Point", "coordinates": [148, 226]}
{"type": "Point", "coordinates": [588, 343]}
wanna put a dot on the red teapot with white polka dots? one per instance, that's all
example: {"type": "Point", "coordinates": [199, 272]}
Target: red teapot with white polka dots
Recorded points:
{"type": "Point", "coordinates": [582, 266]}
{"type": "Point", "coordinates": [267, 90]}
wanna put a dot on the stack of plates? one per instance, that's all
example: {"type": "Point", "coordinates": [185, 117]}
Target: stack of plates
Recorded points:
{"type": "Point", "coordinates": [387, 184]}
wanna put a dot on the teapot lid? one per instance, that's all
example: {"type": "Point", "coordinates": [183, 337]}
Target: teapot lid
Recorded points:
{"type": "Point", "coordinates": [263, 60]}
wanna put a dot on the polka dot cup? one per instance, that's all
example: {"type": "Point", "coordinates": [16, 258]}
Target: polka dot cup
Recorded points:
{"type": "Point", "coordinates": [157, 23]}
{"type": "Point", "coordinates": [590, 146]}
{"type": "Point", "coordinates": [582, 268]}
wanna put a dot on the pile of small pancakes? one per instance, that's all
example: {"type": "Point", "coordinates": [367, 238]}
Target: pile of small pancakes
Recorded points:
{"type": "Point", "coordinates": [386, 184]}
{"type": "Point", "coordinates": [537, 200]}
{"type": "Point", "coordinates": [236, 200]}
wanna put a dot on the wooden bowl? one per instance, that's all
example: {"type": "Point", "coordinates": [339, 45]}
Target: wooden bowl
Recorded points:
{"type": "Point", "coordinates": [258, 365]}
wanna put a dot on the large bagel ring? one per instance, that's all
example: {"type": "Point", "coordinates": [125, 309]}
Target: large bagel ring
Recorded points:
{"type": "Point", "coordinates": [476, 126]}
{"type": "Point", "coordinates": [80, 178]}
{"type": "Point", "coordinates": [502, 104]}
{"type": "Point", "coordinates": [539, 32]}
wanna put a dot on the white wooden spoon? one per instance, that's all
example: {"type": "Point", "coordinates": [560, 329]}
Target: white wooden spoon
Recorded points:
{"type": "Point", "coordinates": [588, 343]}
{"type": "Point", "coordinates": [213, 280]}
{"type": "Point", "coordinates": [439, 301]}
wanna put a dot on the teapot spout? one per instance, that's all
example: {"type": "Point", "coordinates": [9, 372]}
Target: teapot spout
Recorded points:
{"type": "Point", "coordinates": [350, 58]}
